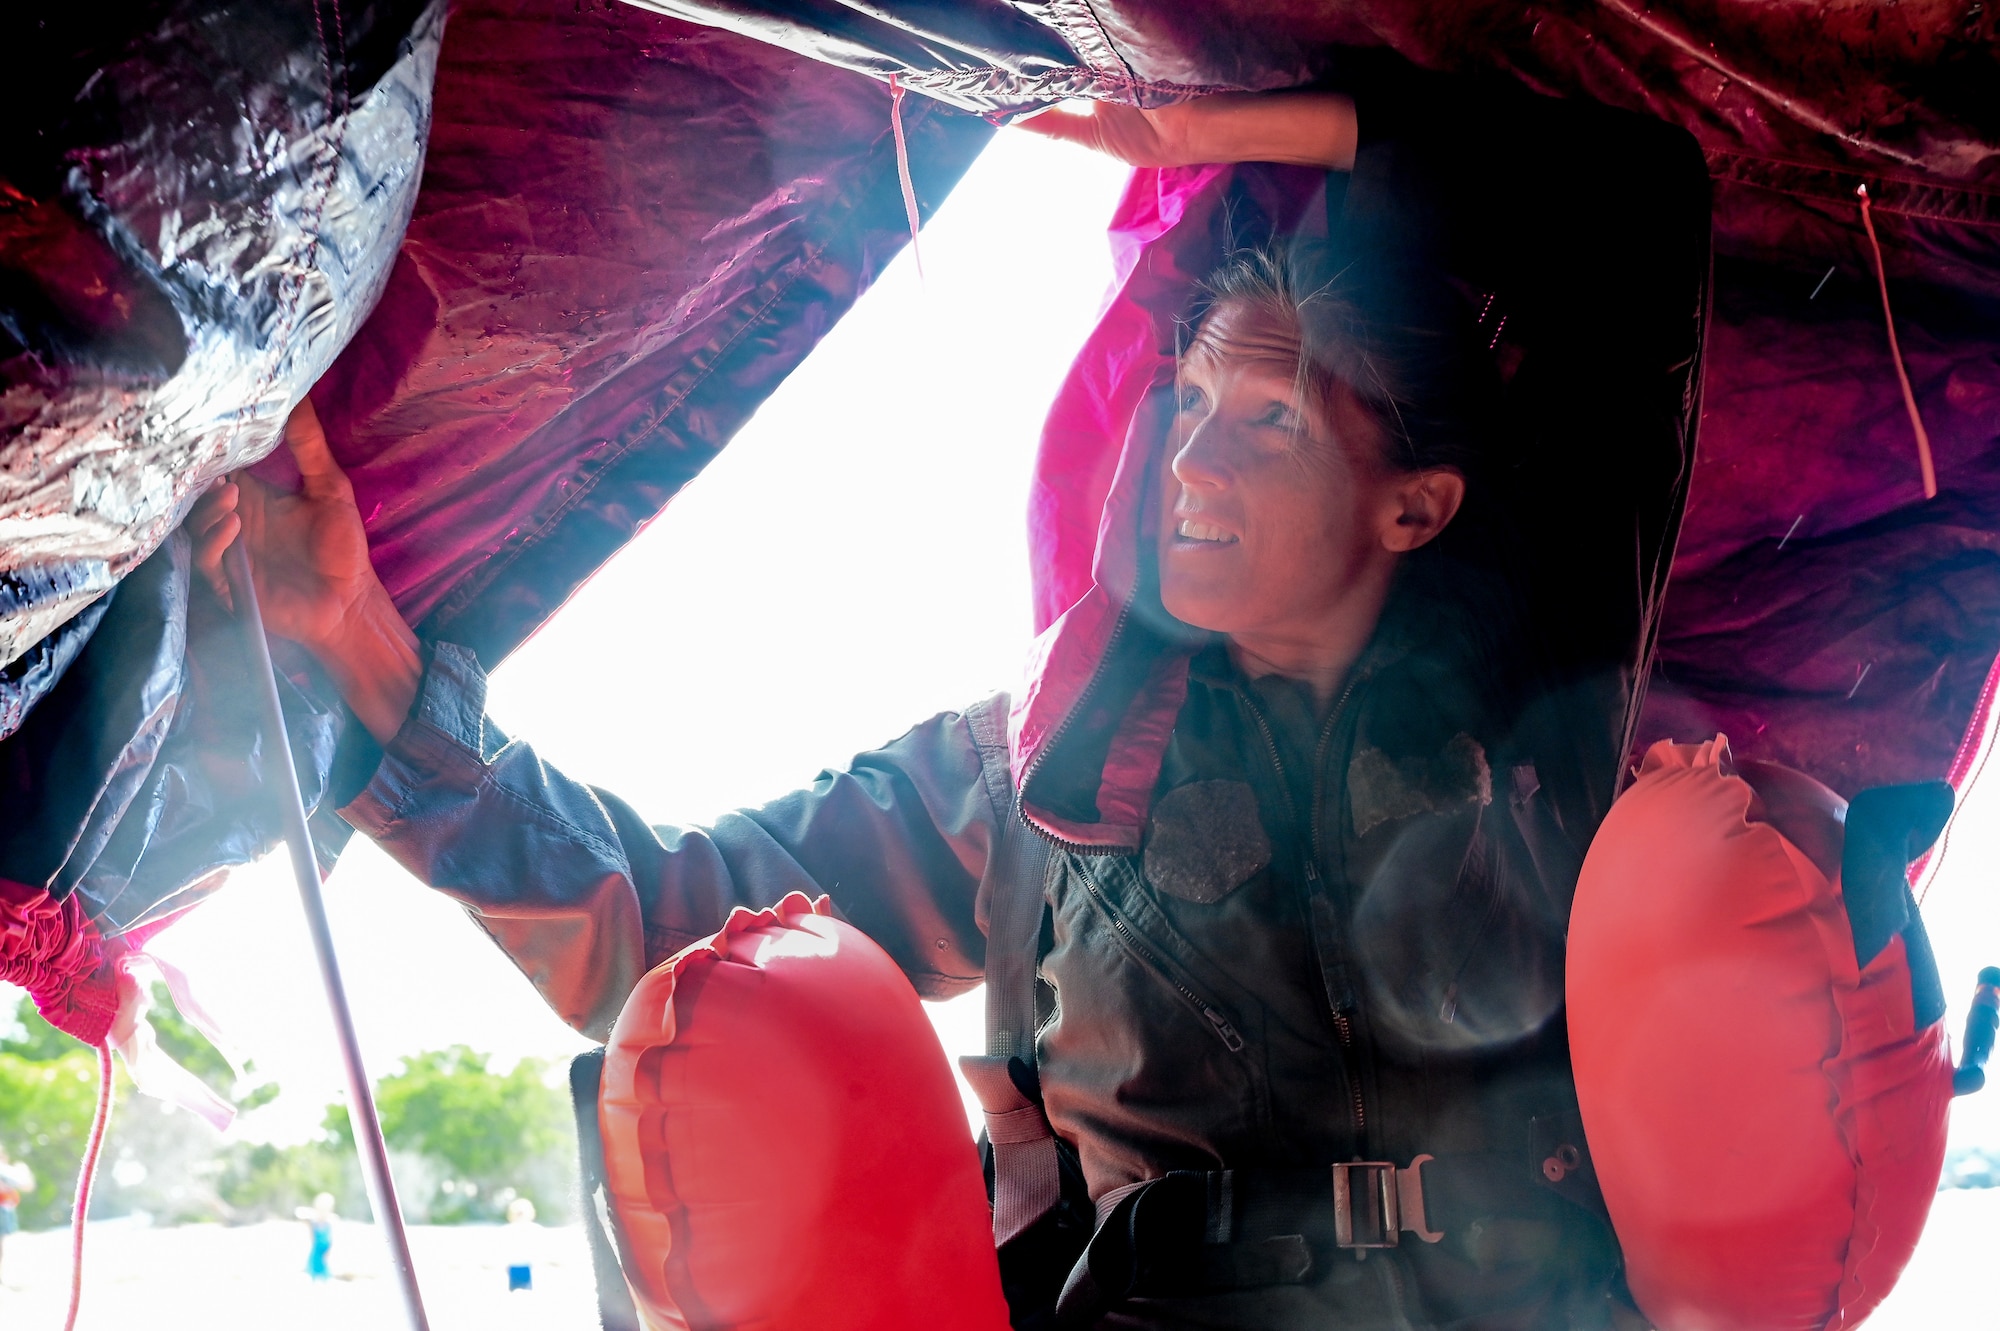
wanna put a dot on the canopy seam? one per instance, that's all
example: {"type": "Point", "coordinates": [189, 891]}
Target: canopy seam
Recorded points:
{"type": "Point", "coordinates": [1838, 182]}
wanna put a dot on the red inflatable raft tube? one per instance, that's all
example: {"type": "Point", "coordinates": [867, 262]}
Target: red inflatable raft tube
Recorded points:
{"type": "Point", "coordinates": [1758, 1037]}
{"type": "Point", "coordinates": [785, 1148]}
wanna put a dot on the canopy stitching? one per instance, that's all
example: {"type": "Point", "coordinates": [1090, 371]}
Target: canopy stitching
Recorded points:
{"type": "Point", "coordinates": [1054, 84]}
{"type": "Point", "coordinates": [1646, 21]}
{"type": "Point", "coordinates": [1925, 200]}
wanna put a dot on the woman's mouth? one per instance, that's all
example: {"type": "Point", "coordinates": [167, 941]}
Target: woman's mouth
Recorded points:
{"type": "Point", "coordinates": [1202, 533]}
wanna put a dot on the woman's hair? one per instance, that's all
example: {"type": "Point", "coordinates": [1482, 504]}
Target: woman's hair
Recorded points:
{"type": "Point", "coordinates": [1394, 337]}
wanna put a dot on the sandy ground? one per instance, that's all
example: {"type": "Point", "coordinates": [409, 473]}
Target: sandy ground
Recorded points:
{"type": "Point", "coordinates": [210, 1278]}
{"type": "Point", "coordinates": [213, 1279]}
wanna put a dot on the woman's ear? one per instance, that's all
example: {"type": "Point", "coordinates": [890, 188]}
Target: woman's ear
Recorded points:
{"type": "Point", "coordinates": [1427, 501]}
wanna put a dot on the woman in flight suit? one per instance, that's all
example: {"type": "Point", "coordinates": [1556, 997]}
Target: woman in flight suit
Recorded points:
{"type": "Point", "coordinates": [1293, 954]}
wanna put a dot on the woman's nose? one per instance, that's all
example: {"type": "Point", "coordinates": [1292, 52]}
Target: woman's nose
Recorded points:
{"type": "Point", "coordinates": [1198, 462]}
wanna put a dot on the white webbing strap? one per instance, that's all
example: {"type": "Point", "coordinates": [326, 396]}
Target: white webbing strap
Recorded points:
{"type": "Point", "coordinates": [1027, 1178]}
{"type": "Point", "coordinates": [1027, 1181]}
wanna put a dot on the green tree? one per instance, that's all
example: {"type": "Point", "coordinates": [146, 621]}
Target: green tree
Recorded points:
{"type": "Point", "coordinates": [468, 1138]}
{"type": "Point", "coordinates": [24, 1034]}
{"type": "Point", "coordinates": [259, 1181]}
{"type": "Point", "coordinates": [48, 1091]}
{"type": "Point", "coordinates": [45, 1109]}
{"type": "Point", "coordinates": [493, 1136]}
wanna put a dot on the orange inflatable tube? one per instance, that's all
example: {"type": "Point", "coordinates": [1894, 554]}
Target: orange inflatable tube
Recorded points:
{"type": "Point", "coordinates": [785, 1149]}
{"type": "Point", "coordinates": [1766, 1113]}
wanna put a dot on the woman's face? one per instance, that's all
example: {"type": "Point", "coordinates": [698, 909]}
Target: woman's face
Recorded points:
{"type": "Point", "coordinates": [1273, 514]}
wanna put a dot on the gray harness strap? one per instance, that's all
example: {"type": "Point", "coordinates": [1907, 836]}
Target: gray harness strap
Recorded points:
{"type": "Point", "coordinates": [1027, 1181]}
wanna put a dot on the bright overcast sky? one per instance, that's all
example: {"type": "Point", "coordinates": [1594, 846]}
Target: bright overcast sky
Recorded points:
{"type": "Point", "coordinates": [854, 562]}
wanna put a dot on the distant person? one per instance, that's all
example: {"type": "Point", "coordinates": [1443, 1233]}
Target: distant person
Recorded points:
{"type": "Point", "coordinates": [319, 1217]}
{"type": "Point", "coordinates": [16, 1180]}
{"type": "Point", "coordinates": [523, 1237]}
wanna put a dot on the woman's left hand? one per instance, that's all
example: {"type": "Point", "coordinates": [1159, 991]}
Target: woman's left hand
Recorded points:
{"type": "Point", "coordinates": [1164, 136]}
{"type": "Point", "coordinates": [1300, 128]}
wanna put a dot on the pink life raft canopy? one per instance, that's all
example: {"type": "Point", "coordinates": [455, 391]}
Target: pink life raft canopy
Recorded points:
{"type": "Point", "coordinates": [543, 259]}
{"type": "Point", "coordinates": [630, 227]}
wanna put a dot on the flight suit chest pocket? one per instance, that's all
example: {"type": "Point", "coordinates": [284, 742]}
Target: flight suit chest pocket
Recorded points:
{"type": "Point", "coordinates": [1204, 840]}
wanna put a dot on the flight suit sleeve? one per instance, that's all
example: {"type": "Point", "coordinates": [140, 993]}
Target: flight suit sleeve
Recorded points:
{"type": "Point", "coordinates": [586, 897]}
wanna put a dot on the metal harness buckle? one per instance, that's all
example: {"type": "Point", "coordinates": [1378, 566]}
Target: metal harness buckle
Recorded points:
{"type": "Point", "coordinates": [1374, 1202]}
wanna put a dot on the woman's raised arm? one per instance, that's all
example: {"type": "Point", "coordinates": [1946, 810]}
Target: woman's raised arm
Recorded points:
{"type": "Point", "coordinates": [585, 896]}
{"type": "Point", "coordinates": [567, 879]}
{"type": "Point", "coordinates": [1296, 128]}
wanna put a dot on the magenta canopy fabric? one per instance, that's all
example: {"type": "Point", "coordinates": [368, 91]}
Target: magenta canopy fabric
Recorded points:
{"type": "Point", "coordinates": [631, 225]}
{"type": "Point", "coordinates": [1821, 611]}
{"type": "Point", "coordinates": [631, 229]}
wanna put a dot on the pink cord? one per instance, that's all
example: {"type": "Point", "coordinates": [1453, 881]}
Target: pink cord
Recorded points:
{"type": "Point", "coordinates": [903, 170]}
{"type": "Point", "coordinates": [84, 1179]}
{"type": "Point", "coordinates": [1896, 353]}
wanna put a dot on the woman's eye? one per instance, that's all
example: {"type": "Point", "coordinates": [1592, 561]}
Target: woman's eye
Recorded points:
{"type": "Point", "coordinates": [1278, 416]}
{"type": "Point", "coordinates": [1189, 399]}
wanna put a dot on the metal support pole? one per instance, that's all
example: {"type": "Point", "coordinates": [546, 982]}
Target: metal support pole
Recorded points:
{"type": "Point", "coordinates": [282, 779]}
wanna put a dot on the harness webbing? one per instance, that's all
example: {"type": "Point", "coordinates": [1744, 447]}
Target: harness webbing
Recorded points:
{"type": "Point", "coordinates": [1026, 1172]}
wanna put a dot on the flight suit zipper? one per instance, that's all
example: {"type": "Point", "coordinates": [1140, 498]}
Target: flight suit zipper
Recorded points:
{"type": "Point", "coordinates": [1343, 1029]}
{"type": "Point", "coordinates": [1048, 745]}
{"type": "Point", "coordinates": [1211, 1013]}
{"type": "Point", "coordinates": [1338, 1012]}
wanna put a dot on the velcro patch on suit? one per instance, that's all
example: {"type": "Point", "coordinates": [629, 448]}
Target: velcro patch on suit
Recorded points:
{"type": "Point", "coordinates": [1382, 790]}
{"type": "Point", "coordinates": [1204, 840]}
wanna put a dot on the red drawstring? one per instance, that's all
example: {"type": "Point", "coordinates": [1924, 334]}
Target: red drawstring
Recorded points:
{"type": "Point", "coordinates": [84, 1179]}
{"type": "Point", "coordinates": [51, 949]}
{"type": "Point", "coordinates": [903, 169]}
{"type": "Point", "coordinates": [1896, 353]}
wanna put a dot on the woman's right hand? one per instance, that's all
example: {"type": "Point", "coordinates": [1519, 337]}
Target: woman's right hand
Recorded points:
{"type": "Point", "coordinates": [308, 551]}
{"type": "Point", "coordinates": [315, 585]}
